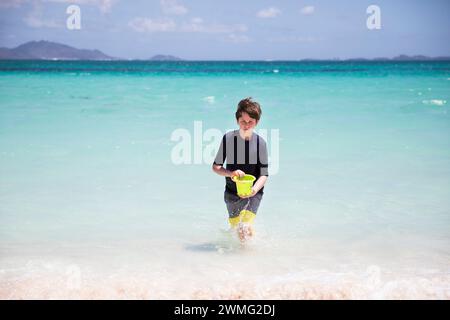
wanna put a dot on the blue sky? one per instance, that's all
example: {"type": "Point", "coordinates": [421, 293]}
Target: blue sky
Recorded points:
{"type": "Point", "coordinates": [234, 30]}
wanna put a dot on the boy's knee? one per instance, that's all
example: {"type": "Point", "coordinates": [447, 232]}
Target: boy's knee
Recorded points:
{"type": "Point", "coordinates": [247, 216]}
{"type": "Point", "coordinates": [234, 221]}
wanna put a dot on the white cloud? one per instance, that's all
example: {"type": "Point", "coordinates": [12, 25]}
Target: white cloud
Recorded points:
{"type": "Point", "coordinates": [35, 18]}
{"type": "Point", "coordinates": [308, 10]}
{"type": "Point", "coordinates": [197, 20]}
{"type": "Point", "coordinates": [195, 25]}
{"type": "Point", "coordinates": [38, 22]}
{"type": "Point", "coordinates": [10, 3]}
{"type": "Point", "coordinates": [172, 7]}
{"type": "Point", "coordinates": [155, 25]}
{"type": "Point", "coordinates": [103, 5]}
{"type": "Point", "coordinates": [238, 38]}
{"type": "Point", "coordinates": [304, 39]}
{"type": "Point", "coordinates": [271, 12]}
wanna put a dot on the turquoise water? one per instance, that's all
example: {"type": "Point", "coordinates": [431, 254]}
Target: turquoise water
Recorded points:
{"type": "Point", "coordinates": [92, 205]}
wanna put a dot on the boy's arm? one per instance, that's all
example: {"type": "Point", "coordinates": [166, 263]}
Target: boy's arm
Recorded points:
{"type": "Point", "coordinates": [220, 160]}
{"type": "Point", "coordinates": [259, 183]}
{"type": "Point", "coordinates": [263, 165]}
{"type": "Point", "coordinates": [221, 171]}
{"type": "Point", "coordinates": [256, 187]}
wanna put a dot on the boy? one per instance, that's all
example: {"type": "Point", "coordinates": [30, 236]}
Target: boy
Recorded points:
{"type": "Point", "coordinates": [245, 153]}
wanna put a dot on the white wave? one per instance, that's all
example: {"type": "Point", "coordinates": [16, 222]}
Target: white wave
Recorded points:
{"type": "Point", "coordinates": [72, 281]}
{"type": "Point", "coordinates": [435, 102]}
{"type": "Point", "coordinates": [210, 99]}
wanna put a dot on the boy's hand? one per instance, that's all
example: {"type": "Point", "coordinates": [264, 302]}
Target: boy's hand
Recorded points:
{"type": "Point", "coordinates": [250, 195]}
{"type": "Point", "coordinates": [237, 173]}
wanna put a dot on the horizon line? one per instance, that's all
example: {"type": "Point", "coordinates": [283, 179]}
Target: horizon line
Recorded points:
{"type": "Point", "coordinates": [174, 57]}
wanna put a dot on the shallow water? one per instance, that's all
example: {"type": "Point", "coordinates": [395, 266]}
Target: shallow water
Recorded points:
{"type": "Point", "coordinates": [91, 204]}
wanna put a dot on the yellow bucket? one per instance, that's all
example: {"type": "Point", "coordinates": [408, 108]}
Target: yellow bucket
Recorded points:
{"type": "Point", "coordinates": [244, 184]}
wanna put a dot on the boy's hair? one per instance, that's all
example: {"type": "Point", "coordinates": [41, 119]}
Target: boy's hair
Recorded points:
{"type": "Point", "coordinates": [252, 108]}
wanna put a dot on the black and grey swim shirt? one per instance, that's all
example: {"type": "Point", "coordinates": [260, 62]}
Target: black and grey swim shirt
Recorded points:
{"type": "Point", "coordinates": [249, 156]}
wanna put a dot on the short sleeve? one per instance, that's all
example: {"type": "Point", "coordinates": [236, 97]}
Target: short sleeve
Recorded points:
{"type": "Point", "coordinates": [263, 157]}
{"type": "Point", "coordinates": [221, 153]}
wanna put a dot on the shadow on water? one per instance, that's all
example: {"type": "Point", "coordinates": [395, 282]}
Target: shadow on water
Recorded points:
{"type": "Point", "coordinates": [226, 242]}
{"type": "Point", "coordinates": [203, 247]}
{"type": "Point", "coordinates": [218, 247]}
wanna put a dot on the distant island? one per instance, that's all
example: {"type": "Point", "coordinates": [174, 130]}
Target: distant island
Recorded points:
{"type": "Point", "coordinates": [47, 50]}
{"type": "Point", "coordinates": [161, 57]}
{"type": "Point", "coordinates": [403, 57]}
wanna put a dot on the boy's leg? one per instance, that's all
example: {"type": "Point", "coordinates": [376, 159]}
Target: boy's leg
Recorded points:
{"type": "Point", "coordinates": [242, 212]}
{"type": "Point", "coordinates": [249, 214]}
{"type": "Point", "coordinates": [246, 224]}
{"type": "Point", "coordinates": [234, 221]}
{"type": "Point", "coordinates": [234, 206]}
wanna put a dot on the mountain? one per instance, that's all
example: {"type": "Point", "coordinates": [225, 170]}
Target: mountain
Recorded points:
{"type": "Point", "coordinates": [46, 50]}
{"type": "Point", "coordinates": [403, 57]}
{"type": "Point", "coordinates": [161, 57]}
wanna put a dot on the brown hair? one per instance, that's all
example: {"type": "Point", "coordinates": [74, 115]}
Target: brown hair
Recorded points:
{"type": "Point", "coordinates": [249, 106]}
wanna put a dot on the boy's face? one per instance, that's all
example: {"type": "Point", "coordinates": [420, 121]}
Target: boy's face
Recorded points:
{"type": "Point", "coordinates": [246, 123]}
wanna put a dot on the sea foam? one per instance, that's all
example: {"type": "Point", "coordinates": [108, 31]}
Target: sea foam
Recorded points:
{"type": "Point", "coordinates": [435, 102]}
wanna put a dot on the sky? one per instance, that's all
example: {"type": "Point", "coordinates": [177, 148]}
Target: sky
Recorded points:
{"type": "Point", "coordinates": [234, 29]}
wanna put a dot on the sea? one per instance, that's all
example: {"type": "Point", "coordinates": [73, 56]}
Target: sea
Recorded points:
{"type": "Point", "coordinates": [107, 190]}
